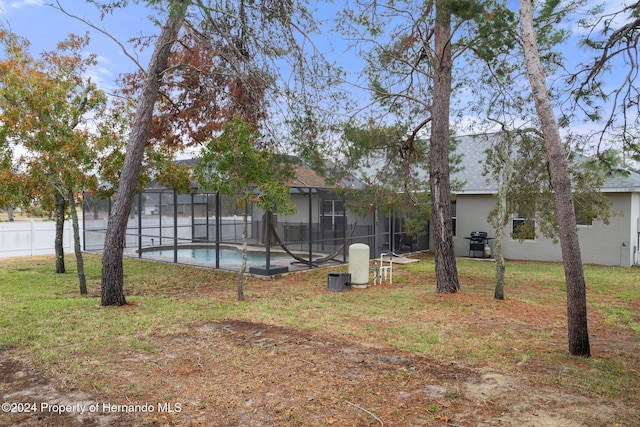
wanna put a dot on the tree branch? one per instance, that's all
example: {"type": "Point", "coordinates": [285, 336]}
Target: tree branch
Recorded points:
{"type": "Point", "coordinates": [101, 30]}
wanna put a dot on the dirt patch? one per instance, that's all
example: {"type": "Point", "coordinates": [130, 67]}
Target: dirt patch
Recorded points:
{"type": "Point", "coordinates": [252, 374]}
{"type": "Point", "coordinates": [33, 398]}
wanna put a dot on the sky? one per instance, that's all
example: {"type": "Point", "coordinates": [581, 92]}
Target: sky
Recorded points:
{"type": "Point", "coordinates": [44, 26]}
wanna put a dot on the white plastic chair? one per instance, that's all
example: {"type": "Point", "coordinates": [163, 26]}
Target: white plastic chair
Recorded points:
{"type": "Point", "coordinates": [385, 271]}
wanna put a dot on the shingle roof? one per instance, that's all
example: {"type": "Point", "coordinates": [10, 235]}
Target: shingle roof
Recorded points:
{"type": "Point", "coordinates": [472, 148]}
{"type": "Point", "coordinates": [472, 152]}
{"type": "Point", "coordinates": [305, 176]}
{"type": "Point", "coordinates": [621, 183]}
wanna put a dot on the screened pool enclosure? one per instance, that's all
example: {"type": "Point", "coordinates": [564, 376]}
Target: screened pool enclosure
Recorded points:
{"type": "Point", "coordinates": [205, 229]}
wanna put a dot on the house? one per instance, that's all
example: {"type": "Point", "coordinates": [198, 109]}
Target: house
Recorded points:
{"type": "Point", "coordinates": [616, 243]}
{"type": "Point", "coordinates": [323, 225]}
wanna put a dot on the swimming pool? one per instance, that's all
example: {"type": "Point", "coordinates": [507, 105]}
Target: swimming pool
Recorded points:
{"type": "Point", "coordinates": [228, 256]}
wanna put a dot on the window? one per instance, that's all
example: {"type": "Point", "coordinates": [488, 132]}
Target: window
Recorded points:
{"type": "Point", "coordinates": [332, 215]}
{"type": "Point", "coordinates": [454, 216]}
{"type": "Point", "coordinates": [583, 215]}
{"type": "Point", "coordinates": [523, 228]}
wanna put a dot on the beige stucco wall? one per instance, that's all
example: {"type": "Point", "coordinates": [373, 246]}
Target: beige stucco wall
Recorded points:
{"type": "Point", "coordinates": [612, 244]}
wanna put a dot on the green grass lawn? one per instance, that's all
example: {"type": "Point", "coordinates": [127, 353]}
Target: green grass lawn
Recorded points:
{"type": "Point", "coordinates": [44, 316]}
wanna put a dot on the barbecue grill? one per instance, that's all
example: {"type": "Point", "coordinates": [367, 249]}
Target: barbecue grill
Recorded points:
{"type": "Point", "coordinates": [477, 242]}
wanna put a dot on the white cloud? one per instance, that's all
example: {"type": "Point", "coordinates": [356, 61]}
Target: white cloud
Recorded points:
{"type": "Point", "coordinates": [6, 6]}
{"type": "Point", "coordinates": [19, 4]}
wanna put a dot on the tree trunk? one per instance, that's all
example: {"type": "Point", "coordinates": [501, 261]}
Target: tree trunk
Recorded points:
{"type": "Point", "coordinates": [112, 266]}
{"type": "Point", "coordinates": [243, 268]}
{"type": "Point", "coordinates": [76, 245]}
{"type": "Point", "coordinates": [574, 274]}
{"type": "Point", "coordinates": [445, 260]}
{"type": "Point", "coordinates": [59, 249]}
{"type": "Point", "coordinates": [502, 216]}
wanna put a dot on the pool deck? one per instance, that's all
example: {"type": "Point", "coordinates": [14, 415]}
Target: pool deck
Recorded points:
{"type": "Point", "coordinates": [278, 266]}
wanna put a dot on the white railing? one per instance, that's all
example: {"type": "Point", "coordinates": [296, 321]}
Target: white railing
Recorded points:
{"type": "Point", "coordinates": [29, 238]}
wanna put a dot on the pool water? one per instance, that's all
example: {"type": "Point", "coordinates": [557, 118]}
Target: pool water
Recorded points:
{"type": "Point", "coordinates": [229, 256]}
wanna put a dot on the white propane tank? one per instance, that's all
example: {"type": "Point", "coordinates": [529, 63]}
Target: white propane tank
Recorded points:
{"type": "Point", "coordinates": [487, 251]}
{"type": "Point", "coordinates": [359, 264]}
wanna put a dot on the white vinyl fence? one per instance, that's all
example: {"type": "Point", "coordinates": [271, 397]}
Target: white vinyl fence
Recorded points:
{"type": "Point", "coordinates": [29, 238]}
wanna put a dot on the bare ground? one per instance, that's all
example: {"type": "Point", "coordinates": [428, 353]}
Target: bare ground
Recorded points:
{"type": "Point", "coordinates": [289, 377]}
